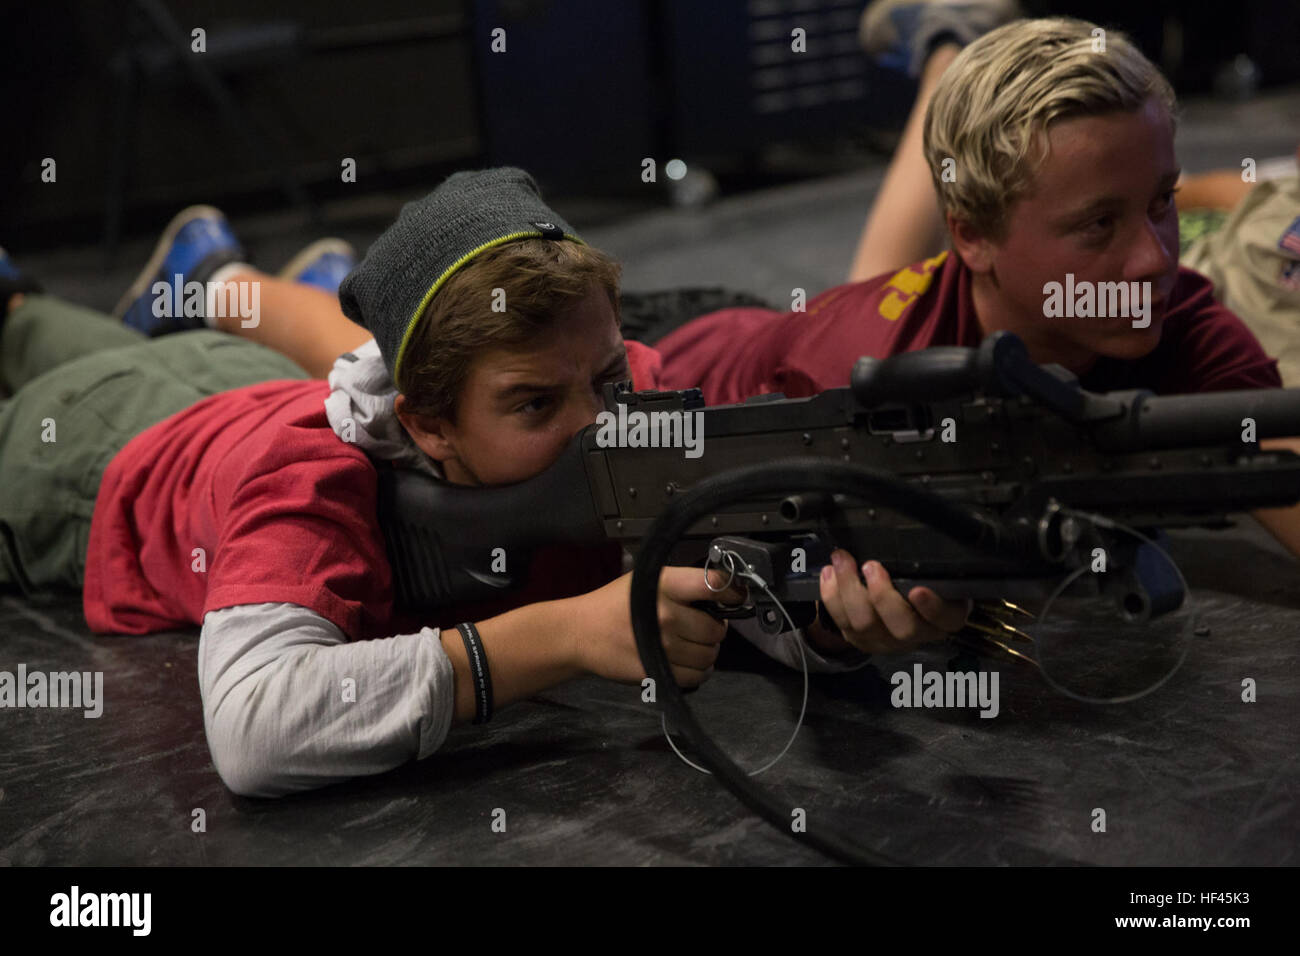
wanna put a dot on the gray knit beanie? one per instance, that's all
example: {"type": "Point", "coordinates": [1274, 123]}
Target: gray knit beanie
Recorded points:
{"type": "Point", "coordinates": [433, 237]}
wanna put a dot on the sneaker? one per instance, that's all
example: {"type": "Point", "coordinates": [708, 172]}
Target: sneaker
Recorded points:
{"type": "Point", "coordinates": [324, 264]}
{"type": "Point", "coordinates": [13, 280]}
{"type": "Point", "coordinates": [900, 34]}
{"type": "Point", "coordinates": [8, 270]}
{"type": "Point", "coordinates": [196, 243]}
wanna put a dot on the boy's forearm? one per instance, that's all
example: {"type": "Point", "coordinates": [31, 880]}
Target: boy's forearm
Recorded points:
{"type": "Point", "coordinates": [343, 709]}
{"type": "Point", "coordinates": [290, 704]}
{"type": "Point", "coordinates": [528, 650]}
{"type": "Point", "coordinates": [1283, 524]}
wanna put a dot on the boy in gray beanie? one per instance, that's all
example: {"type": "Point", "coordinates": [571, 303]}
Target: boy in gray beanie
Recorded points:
{"type": "Point", "coordinates": [434, 237]}
{"type": "Point", "coordinates": [500, 326]}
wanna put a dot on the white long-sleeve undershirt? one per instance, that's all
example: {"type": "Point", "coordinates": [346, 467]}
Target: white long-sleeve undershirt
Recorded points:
{"type": "Point", "coordinates": [289, 704]}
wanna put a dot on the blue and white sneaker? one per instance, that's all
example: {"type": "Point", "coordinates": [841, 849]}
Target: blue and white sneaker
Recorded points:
{"type": "Point", "coordinates": [900, 34]}
{"type": "Point", "coordinates": [324, 264]}
{"type": "Point", "coordinates": [196, 243]}
{"type": "Point", "coordinates": [7, 268]}
{"type": "Point", "coordinates": [12, 281]}
{"type": "Point", "coordinates": [12, 275]}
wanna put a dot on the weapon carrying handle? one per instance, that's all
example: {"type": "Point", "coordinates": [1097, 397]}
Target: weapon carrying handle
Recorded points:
{"type": "Point", "coordinates": [936, 373]}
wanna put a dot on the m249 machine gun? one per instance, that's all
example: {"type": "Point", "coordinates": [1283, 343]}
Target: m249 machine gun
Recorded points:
{"type": "Point", "coordinates": [1011, 450]}
{"type": "Point", "coordinates": [972, 471]}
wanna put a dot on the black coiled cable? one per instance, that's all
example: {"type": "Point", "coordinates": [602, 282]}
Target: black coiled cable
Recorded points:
{"type": "Point", "coordinates": [782, 477]}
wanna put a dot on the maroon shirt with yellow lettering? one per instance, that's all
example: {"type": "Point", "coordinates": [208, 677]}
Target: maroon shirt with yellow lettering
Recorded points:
{"type": "Point", "coordinates": [1204, 347]}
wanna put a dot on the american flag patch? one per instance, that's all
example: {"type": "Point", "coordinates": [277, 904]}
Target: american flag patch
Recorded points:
{"type": "Point", "coordinates": [1290, 240]}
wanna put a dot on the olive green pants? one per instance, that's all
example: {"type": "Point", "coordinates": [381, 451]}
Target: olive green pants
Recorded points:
{"type": "Point", "coordinates": [83, 386]}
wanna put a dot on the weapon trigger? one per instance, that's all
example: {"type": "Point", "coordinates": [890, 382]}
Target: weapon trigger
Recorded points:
{"type": "Point", "coordinates": [724, 612]}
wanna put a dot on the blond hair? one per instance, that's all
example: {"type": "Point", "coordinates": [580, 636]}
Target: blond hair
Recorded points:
{"type": "Point", "coordinates": [993, 106]}
{"type": "Point", "coordinates": [541, 280]}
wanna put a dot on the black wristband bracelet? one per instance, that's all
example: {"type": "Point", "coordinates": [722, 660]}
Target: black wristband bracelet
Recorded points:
{"type": "Point", "coordinates": [479, 674]}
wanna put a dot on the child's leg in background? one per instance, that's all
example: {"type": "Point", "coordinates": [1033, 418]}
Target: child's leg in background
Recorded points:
{"type": "Point", "coordinates": [299, 321]}
{"type": "Point", "coordinates": [296, 312]}
{"type": "Point", "coordinates": [67, 419]}
{"type": "Point", "coordinates": [1219, 189]}
{"type": "Point", "coordinates": [904, 224]}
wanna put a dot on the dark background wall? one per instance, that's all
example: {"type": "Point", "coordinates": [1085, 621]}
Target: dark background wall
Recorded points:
{"type": "Point", "coordinates": [387, 82]}
{"type": "Point", "coordinates": [586, 89]}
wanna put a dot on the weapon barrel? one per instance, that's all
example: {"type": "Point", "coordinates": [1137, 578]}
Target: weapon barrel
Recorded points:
{"type": "Point", "coordinates": [1209, 418]}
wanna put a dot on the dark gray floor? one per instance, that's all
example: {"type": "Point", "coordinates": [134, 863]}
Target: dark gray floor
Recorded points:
{"type": "Point", "coordinates": [1189, 775]}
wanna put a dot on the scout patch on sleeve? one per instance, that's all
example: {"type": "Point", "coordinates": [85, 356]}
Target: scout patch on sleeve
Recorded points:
{"type": "Point", "coordinates": [906, 284]}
